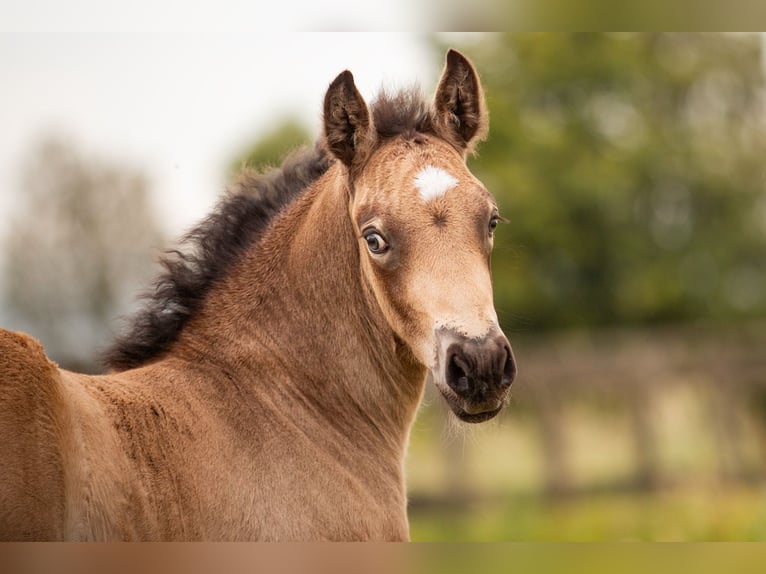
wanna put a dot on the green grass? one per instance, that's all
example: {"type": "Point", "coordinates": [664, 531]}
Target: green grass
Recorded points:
{"type": "Point", "coordinates": [688, 514]}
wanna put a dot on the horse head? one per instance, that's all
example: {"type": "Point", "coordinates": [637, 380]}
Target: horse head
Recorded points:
{"type": "Point", "coordinates": [425, 227]}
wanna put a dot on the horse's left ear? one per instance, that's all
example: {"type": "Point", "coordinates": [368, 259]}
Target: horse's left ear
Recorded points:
{"type": "Point", "coordinates": [459, 110]}
{"type": "Point", "coordinates": [348, 127]}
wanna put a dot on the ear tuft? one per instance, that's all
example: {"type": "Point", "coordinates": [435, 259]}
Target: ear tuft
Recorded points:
{"type": "Point", "coordinates": [348, 128]}
{"type": "Point", "coordinates": [459, 110]}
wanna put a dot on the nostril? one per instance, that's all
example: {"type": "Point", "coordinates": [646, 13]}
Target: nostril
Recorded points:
{"type": "Point", "coordinates": [457, 374]}
{"type": "Point", "coordinates": [509, 369]}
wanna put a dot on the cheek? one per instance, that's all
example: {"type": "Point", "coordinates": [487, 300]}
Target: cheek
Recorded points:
{"type": "Point", "coordinates": [400, 308]}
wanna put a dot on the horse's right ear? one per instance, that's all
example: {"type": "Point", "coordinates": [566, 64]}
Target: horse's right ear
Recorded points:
{"type": "Point", "coordinates": [348, 128]}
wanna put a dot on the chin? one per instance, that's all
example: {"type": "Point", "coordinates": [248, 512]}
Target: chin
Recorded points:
{"type": "Point", "coordinates": [477, 417]}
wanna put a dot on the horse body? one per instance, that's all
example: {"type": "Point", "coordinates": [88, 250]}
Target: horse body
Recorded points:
{"type": "Point", "coordinates": [257, 444]}
{"type": "Point", "coordinates": [281, 408]}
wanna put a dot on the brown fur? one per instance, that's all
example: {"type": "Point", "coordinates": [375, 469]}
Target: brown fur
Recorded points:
{"type": "Point", "coordinates": [280, 409]}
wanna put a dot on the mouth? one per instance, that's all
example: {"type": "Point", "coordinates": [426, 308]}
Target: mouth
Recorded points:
{"type": "Point", "coordinates": [469, 413]}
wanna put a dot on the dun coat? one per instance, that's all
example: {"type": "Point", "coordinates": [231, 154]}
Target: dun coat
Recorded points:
{"type": "Point", "coordinates": [267, 388]}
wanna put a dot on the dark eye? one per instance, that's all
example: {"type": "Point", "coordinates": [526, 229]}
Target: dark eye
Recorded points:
{"type": "Point", "coordinates": [375, 242]}
{"type": "Point", "coordinates": [493, 224]}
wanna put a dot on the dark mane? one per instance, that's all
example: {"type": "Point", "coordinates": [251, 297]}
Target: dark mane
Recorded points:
{"type": "Point", "coordinates": [206, 253]}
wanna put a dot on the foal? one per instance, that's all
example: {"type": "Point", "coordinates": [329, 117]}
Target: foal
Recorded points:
{"type": "Point", "coordinates": [267, 389]}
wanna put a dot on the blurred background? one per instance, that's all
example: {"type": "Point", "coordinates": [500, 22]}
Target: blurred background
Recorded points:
{"type": "Point", "coordinates": [631, 279]}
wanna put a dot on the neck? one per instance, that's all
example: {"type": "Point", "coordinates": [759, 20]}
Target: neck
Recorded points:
{"type": "Point", "coordinates": [296, 318]}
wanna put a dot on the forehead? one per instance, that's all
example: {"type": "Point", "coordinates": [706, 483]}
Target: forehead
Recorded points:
{"type": "Point", "coordinates": [420, 171]}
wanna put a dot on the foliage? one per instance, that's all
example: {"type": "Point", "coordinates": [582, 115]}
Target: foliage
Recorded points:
{"type": "Point", "coordinates": [631, 169]}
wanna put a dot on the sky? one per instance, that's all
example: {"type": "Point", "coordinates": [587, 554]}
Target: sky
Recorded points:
{"type": "Point", "coordinates": [179, 106]}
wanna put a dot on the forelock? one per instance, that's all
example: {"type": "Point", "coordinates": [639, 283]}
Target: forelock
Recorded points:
{"type": "Point", "coordinates": [402, 113]}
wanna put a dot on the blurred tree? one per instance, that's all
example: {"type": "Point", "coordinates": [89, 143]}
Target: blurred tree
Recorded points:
{"type": "Point", "coordinates": [78, 249]}
{"type": "Point", "coordinates": [270, 148]}
{"type": "Point", "coordinates": [631, 169]}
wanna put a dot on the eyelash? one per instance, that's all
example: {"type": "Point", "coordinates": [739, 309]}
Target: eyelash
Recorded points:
{"type": "Point", "coordinates": [494, 221]}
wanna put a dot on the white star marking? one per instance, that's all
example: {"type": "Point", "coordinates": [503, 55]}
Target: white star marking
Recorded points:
{"type": "Point", "coordinates": [433, 182]}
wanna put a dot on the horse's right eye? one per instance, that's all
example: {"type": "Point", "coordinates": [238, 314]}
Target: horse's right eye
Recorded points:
{"type": "Point", "coordinates": [375, 242]}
